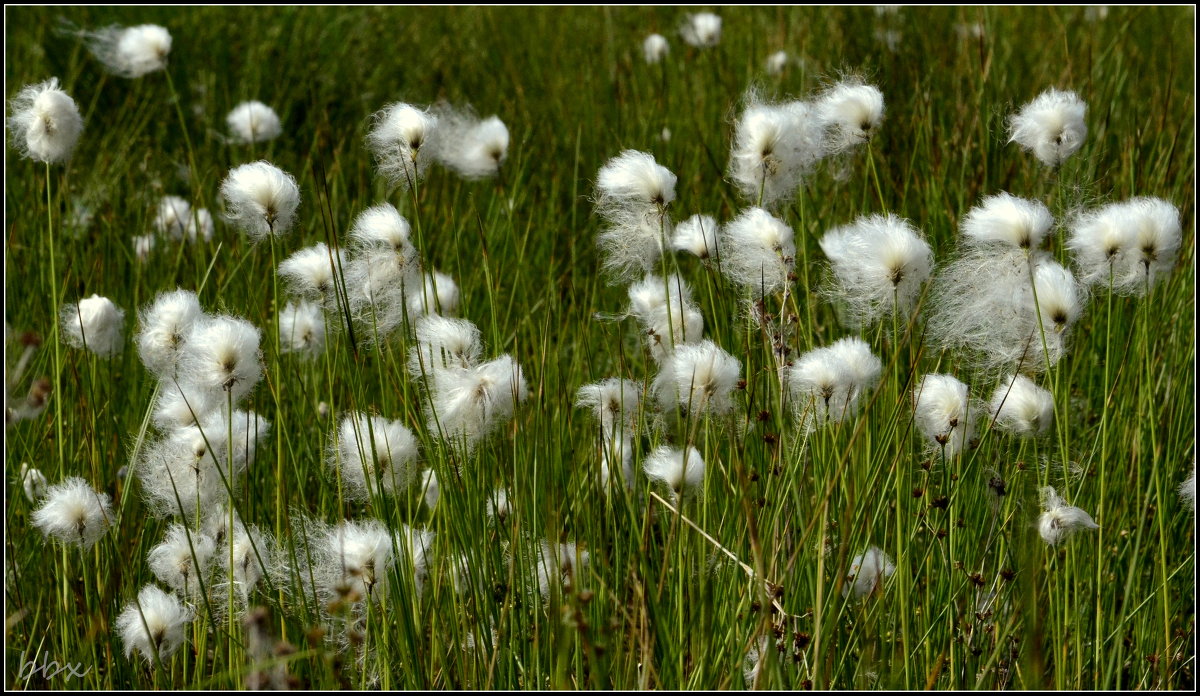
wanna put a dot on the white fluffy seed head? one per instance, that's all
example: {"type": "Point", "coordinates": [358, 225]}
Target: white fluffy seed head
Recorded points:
{"type": "Point", "coordinates": [774, 145]}
{"type": "Point", "coordinates": [45, 122]}
{"type": "Point", "coordinates": [633, 240]}
{"type": "Point", "coordinates": [944, 413]}
{"type": "Point", "coordinates": [1060, 521]}
{"type": "Point", "coordinates": [302, 329]}
{"type": "Point", "coordinates": [437, 295]}
{"type": "Point", "coordinates": [171, 217]}
{"type": "Point", "coordinates": [221, 354]}
{"type": "Point", "coordinates": [183, 559]}
{"type": "Point", "coordinates": [1051, 126]}
{"type": "Point", "coordinates": [614, 402]}
{"type": "Point", "coordinates": [667, 329]}
{"type": "Point", "coordinates": [95, 323]}
{"type": "Point", "coordinates": [182, 405]}
{"type": "Point", "coordinates": [699, 378]}
{"type": "Point", "coordinates": [444, 343]}
{"type": "Point", "coordinates": [403, 139]}
{"type": "Point", "coordinates": [560, 565]}
{"type": "Point", "coordinates": [851, 113]}
{"type": "Point", "coordinates": [471, 147]}
{"type": "Point", "coordinates": [499, 505]}
{"type": "Point", "coordinates": [655, 48]}
{"type": "Point", "coordinates": [191, 469]}
{"type": "Point", "coordinates": [1157, 238]}
{"type": "Point", "coordinates": [616, 458]}
{"type": "Point", "coordinates": [131, 51]}
{"type": "Point", "coordinates": [355, 560]}
{"type": "Point", "coordinates": [1059, 295]}
{"type": "Point", "coordinates": [261, 199]}
{"type": "Point", "coordinates": [72, 513]}
{"type": "Point", "coordinates": [984, 302]}
{"type": "Point", "coordinates": [776, 62]}
{"type": "Point", "coordinates": [666, 314]}
{"type": "Point", "coordinates": [431, 488]}
{"type": "Point", "coordinates": [142, 246]}
{"type": "Point", "coordinates": [682, 471]}
{"type": "Point", "coordinates": [827, 384]}
{"type": "Point", "coordinates": [701, 29]}
{"type": "Point", "coordinates": [381, 227]}
{"type": "Point", "coordinates": [199, 226]}
{"type": "Point", "coordinates": [868, 571]}
{"type": "Point", "coordinates": [311, 272]}
{"type": "Point", "coordinates": [467, 404]}
{"type": "Point", "coordinates": [246, 553]}
{"type": "Point", "coordinates": [1127, 246]}
{"type": "Point", "coordinates": [373, 456]}
{"type": "Point", "coordinates": [33, 482]}
{"type": "Point", "coordinates": [1187, 489]}
{"type": "Point", "coordinates": [165, 326]}
{"type": "Point", "coordinates": [1006, 220]}
{"type": "Point", "coordinates": [758, 252]}
{"type": "Point", "coordinates": [878, 263]}
{"type": "Point", "coordinates": [153, 626]}
{"type": "Point", "coordinates": [1021, 407]}
{"type": "Point", "coordinates": [633, 182]}
{"type": "Point", "coordinates": [253, 122]}
{"type": "Point", "coordinates": [696, 235]}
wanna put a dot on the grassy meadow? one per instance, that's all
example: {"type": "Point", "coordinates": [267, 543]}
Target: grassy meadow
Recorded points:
{"type": "Point", "coordinates": [752, 568]}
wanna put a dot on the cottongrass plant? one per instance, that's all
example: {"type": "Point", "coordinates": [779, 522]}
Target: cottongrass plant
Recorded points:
{"type": "Point", "coordinates": [774, 146]}
{"type": "Point", "coordinates": [1059, 521]}
{"type": "Point", "coordinates": [826, 385]}
{"type": "Point", "coordinates": [95, 323]}
{"type": "Point", "coordinates": [666, 313]}
{"type": "Point", "coordinates": [383, 271]}
{"type": "Point", "coordinates": [701, 30]}
{"type": "Point", "coordinates": [166, 325]}
{"type": "Point", "coordinates": [945, 414]}
{"type": "Point", "coordinates": [404, 140]}
{"type": "Point", "coordinates": [868, 572]}
{"type": "Point", "coordinates": [698, 378]}
{"type": "Point", "coordinates": [655, 48]}
{"type": "Point", "coordinates": [45, 122]}
{"type": "Point", "coordinates": [33, 482]}
{"type": "Point", "coordinates": [253, 122]}
{"type": "Point", "coordinates": [560, 566]}
{"type": "Point", "coordinates": [878, 265]}
{"type": "Point", "coordinates": [1020, 407]}
{"type": "Point", "coordinates": [171, 216]}
{"type": "Point", "coordinates": [131, 52]}
{"type": "Point", "coordinates": [808, 458]}
{"type": "Point", "coordinates": [698, 235]}
{"type": "Point", "coordinates": [1051, 126]}
{"type": "Point", "coordinates": [372, 456]}
{"type": "Point", "coordinates": [73, 513]}
{"type": "Point", "coordinates": [777, 62]}
{"type": "Point", "coordinates": [851, 112]}
{"type": "Point", "coordinates": [154, 625]}
{"type": "Point", "coordinates": [680, 470]}
{"type": "Point", "coordinates": [615, 403]}
{"type": "Point", "coordinates": [759, 252]}
{"type": "Point", "coordinates": [184, 560]}
{"type": "Point", "coordinates": [1127, 246]}
{"type": "Point", "coordinates": [471, 147]}
{"type": "Point", "coordinates": [438, 295]}
{"type": "Point", "coordinates": [632, 194]}
{"type": "Point", "coordinates": [1187, 489]}
{"type": "Point", "coordinates": [302, 329]}
{"type": "Point", "coordinates": [1003, 300]}
{"type": "Point", "coordinates": [261, 199]}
